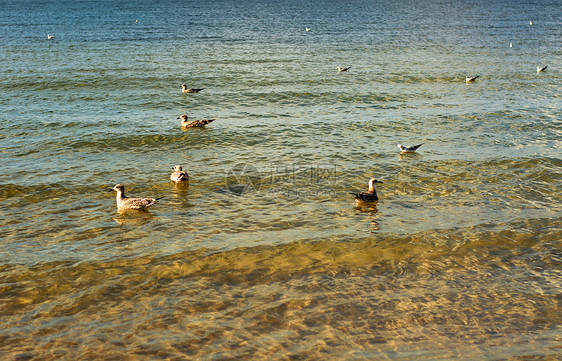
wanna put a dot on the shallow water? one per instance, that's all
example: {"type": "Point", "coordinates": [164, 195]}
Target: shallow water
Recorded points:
{"type": "Point", "coordinates": [264, 254]}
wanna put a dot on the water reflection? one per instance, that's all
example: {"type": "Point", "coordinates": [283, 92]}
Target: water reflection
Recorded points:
{"type": "Point", "coordinates": [367, 208]}
{"type": "Point", "coordinates": [180, 188]}
{"type": "Point", "coordinates": [371, 211]}
{"type": "Point", "coordinates": [133, 217]}
{"type": "Point", "coordinates": [409, 155]}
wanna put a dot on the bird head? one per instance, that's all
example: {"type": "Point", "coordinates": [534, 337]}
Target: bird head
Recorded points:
{"type": "Point", "coordinates": [118, 188]}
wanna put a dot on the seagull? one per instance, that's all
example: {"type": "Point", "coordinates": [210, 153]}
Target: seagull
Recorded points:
{"type": "Point", "coordinates": [49, 36]}
{"type": "Point", "coordinates": [307, 29]}
{"type": "Point", "coordinates": [511, 45]}
{"type": "Point", "coordinates": [408, 148]}
{"type": "Point", "coordinates": [187, 90]}
{"type": "Point", "coordinates": [471, 79]}
{"type": "Point", "coordinates": [339, 68]}
{"type": "Point", "coordinates": [530, 22]}
{"type": "Point", "coordinates": [124, 202]}
{"type": "Point", "coordinates": [369, 196]}
{"type": "Point", "coordinates": [185, 123]}
{"type": "Point", "coordinates": [178, 175]}
{"type": "Point", "coordinates": [541, 69]}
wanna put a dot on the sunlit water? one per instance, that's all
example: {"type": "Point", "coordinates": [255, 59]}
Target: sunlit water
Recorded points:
{"type": "Point", "coordinates": [264, 254]}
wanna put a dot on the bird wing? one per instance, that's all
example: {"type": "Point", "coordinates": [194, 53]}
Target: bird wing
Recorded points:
{"type": "Point", "coordinates": [137, 203]}
{"type": "Point", "coordinates": [179, 176]}
{"type": "Point", "coordinates": [366, 197]}
{"type": "Point", "coordinates": [197, 123]}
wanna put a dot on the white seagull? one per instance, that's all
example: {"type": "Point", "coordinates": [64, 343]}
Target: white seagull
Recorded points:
{"type": "Point", "coordinates": [408, 148]}
{"type": "Point", "coordinates": [124, 202]}
{"type": "Point", "coordinates": [339, 68]}
{"type": "Point", "coordinates": [369, 196]}
{"type": "Point", "coordinates": [307, 29]}
{"type": "Point", "coordinates": [179, 175]}
{"type": "Point", "coordinates": [471, 79]}
{"type": "Point", "coordinates": [541, 69]}
{"type": "Point", "coordinates": [49, 36]}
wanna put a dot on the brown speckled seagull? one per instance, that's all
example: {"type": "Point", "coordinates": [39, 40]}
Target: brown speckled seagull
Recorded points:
{"type": "Point", "coordinates": [124, 202]}
{"type": "Point", "coordinates": [187, 90]}
{"type": "Point", "coordinates": [186, 123]}
{"type": "Point", "coordinates": [369, 196]}
{"type": "Point", "coordinates": [179, 175]}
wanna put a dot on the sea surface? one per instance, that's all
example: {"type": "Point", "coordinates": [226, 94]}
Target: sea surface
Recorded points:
{"type": "Point", "coordinates": [264, 255]}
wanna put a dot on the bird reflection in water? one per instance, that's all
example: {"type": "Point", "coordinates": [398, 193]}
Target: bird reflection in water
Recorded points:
{"type": "Point", "coordinates": [133, 217]}
{"type": "Point", "coordinates": [371, 210]}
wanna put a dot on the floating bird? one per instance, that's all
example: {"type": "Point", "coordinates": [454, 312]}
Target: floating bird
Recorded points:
{"type": "Point", "coordinates": [124, 202]}
{"type": "Point", "coordinates": [339, 68]}
{"type": "Point", "coordinates": [49, 36]}
{"type": "Point", "coordinates": [472, 79]}
{"type": "Point", "coordinates": [530, 22]}
{"type": "Point", "coordinates": [369, 196]}
{"type": "Point", "coordinates": [137, 21]}
{"type": "Point", "coordinates": [187, 90]}
{"type": "Point", "coordinates": [511, 45]}
{"type": "Point", "coordinates": [185, 123]}
{"type": "Point", "coordinates": [541, 69]}
{"type": "Point", "coordinates": [408, 148]}
{"type": "Point", "coordinates": [307, 29]}
{"type": "Point", "coordinates": [179, 175]}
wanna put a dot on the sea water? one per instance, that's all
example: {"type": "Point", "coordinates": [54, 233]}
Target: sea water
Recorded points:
{"type": "Point", "coordinates": [264, 253]}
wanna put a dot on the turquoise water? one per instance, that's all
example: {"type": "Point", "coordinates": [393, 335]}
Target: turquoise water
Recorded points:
{"type": "Point", "coordinates": [264, 254]}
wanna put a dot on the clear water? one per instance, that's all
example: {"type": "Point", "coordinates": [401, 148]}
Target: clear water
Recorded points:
{"type": "Point", "coordinates": [265, 253]}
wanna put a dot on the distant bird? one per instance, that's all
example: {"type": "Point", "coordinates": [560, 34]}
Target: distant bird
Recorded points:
{"type": "Point", "coordinates": [186, 123]}
{"type": "Point", "coordinates": [136, 21]}
{"type": "Point", "coordinates": [530, 22]}
{"type": "Point", "coordinates": [339, 68]}
{"type": "Point", "coordinates": [472, 79]}
{"type": "Point", "coordinates": [408, 148]}
{"type": "Point", "coordinates": [511, 45]}
{"type": "Point", "coordinates": [178, 175]}
{"type": "Point", "coordinates": [124, 202]}
{"type": "Point", "coordinates": [540, 70]}
{"type": "Point", "coordinates": [187, 90]}
{"type": "Point", "coordinates": [307, 29]}
{"type": "Point", "coordinates": [369, 196]}
{"type": "Point", "coordinates": [49, 36]}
